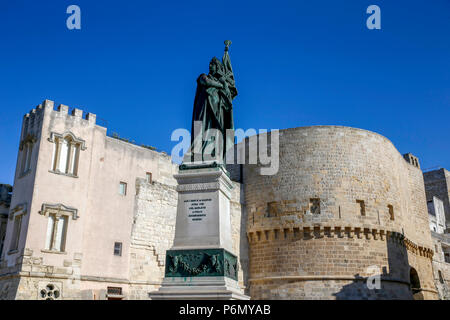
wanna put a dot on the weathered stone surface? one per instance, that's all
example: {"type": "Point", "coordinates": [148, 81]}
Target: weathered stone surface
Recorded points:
{"type": "Point", "coordinates": [333, 169]}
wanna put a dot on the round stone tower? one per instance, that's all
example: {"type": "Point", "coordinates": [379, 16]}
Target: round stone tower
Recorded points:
{"type": "Point", "coordinates": [344, 217]}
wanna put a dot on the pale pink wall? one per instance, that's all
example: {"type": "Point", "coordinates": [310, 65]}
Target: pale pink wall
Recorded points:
{"type": "Point", "coordinates": [105, 216]}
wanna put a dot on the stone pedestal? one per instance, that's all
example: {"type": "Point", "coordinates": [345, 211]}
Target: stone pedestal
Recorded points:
{"type": "Point", "coordinates": [201, 264]}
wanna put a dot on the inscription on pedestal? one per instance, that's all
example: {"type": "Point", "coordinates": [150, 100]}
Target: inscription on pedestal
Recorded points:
{"type": "Point", "coordinates": [197, 208]}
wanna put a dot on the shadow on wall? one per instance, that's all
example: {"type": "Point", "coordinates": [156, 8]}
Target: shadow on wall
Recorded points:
{"type": "Point", "coordinates": [8, 289]}
{"type": "Point", "coordinates": [401, 282]}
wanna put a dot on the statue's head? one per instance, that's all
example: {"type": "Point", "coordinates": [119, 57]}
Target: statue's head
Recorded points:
{"type": "Point", "coordinates": [214, 66]}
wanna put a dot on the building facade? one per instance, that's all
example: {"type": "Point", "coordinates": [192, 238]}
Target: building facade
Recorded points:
{"type": "Point", "coordinates": [76, 228]}
{"type": "Point", "coordinates": [91, 216]}
{"type": "Point", "coordinates": [436, 188]}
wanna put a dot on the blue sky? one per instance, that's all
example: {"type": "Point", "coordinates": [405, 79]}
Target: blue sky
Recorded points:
{"type": "Point", "coordinates": [297, 63]}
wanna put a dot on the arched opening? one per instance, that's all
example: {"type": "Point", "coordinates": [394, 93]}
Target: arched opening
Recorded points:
{"type": "Point", "coordinates": [415, 284]}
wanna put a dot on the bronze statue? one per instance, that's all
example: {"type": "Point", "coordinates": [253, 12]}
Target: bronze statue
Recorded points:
{"type": "Point", "coordinates": [213, 107]}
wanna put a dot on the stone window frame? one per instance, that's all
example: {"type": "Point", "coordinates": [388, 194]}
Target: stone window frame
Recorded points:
{"type": "Point", "coordinates": [17, 212]}
{"type": "Point", "coordinates": [51, 291]}
{"type": "Point", "coordinates": [75, 145]}
{"type": "Point", "coordinates": [26, 148]}
{"type": "Point", "coordinates": [58, 210]}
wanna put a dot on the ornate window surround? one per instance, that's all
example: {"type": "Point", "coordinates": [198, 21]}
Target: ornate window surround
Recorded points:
{"type": "Point", "coordinates": [57, 139]}
{"type": "Point", "coordinates": [55, 136]}
{"type": "Point", "coordinates": [58, 210]}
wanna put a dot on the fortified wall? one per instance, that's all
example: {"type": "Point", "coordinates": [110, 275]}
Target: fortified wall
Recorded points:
{"type": "Point", "coordinates": [344, 205]}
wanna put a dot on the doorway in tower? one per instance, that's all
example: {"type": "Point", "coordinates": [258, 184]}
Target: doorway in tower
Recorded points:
{"type": "Point", "coordinates": [415, 284]}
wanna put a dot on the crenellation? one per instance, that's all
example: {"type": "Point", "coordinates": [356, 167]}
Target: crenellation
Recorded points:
{"type": "Point", "coordinates": [63, 109]}
{"type": "Point", "coordinates": [77, 113]}
{"type": "Point", "coordinates": [91, 118]}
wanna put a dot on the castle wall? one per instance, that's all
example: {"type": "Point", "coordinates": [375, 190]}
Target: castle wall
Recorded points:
{"type": "Point", "coordinates": [152, 234]}
{"type": "Point", "coordinates": [359, 180]}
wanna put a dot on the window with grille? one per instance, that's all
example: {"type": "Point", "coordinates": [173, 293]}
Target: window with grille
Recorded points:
{"type": "Point", "coordinates": [115, 291]}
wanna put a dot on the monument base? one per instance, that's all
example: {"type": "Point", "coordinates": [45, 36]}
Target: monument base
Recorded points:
{"type": "Point", "coordinates": [201, 263]}
{"type": "Point", "coordinates": [199, 288]}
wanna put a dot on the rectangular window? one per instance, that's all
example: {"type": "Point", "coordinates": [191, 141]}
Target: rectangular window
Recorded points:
{"type": "Point", "coordinates": [391, 212]}
{"type": "Point", "coordinates": [63, 156]}
{"type": "Point", "coordinates": [118, 248]}
{"type": "Point", "coordinates": [362, 207]}
{"type": "Point", "coordinates": [54, 153]}
{"type": "Point", "coordinates": [56, 233]}
{"type": "Point", "coordinates": [123, 188]}
{"type": "Point", "coordinates": [114, 291]}
{"type": "Point", "coordinates": [314, 205]}
{"type": "Point", "coordinates": [149, 177]}
{"type": "Point", "coordinates": [30, 151]}
{"type": "Point", "coordinates": [74, 162]}
{"type": "Point", "coordinates": [16, 233]}
{"type": "Point", "coordinates": [26, 157]}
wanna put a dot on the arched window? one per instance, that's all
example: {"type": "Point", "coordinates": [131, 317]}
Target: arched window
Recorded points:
{"type": "Point", "coordinates": [66, 152]}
